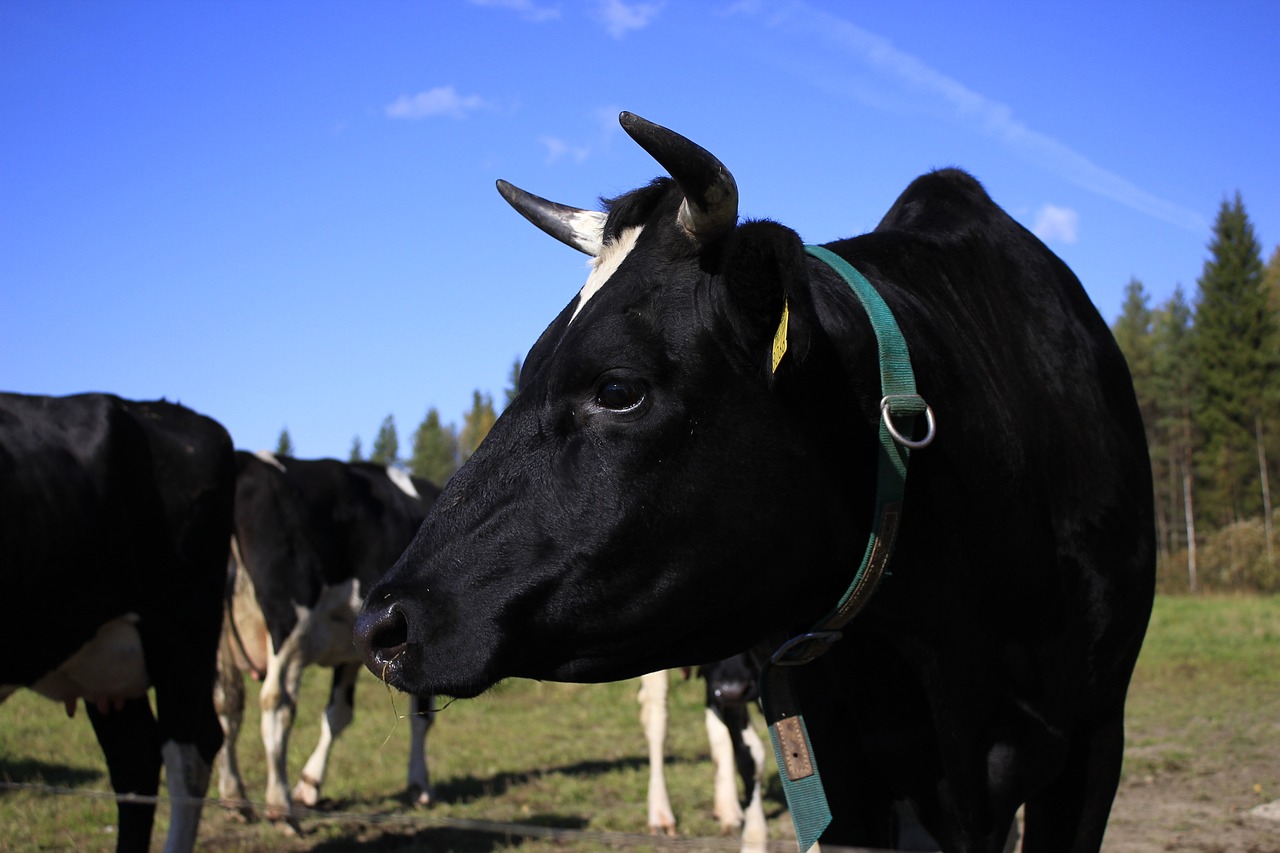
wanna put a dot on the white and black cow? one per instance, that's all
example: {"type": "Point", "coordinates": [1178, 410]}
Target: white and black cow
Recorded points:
{"type": "Point", "coordinates": [690, 467]}
{"type": "Point", "coordinates": [736, 749]}
{"type": "Point", "coordinates": [114, 522]}
{"type": "Point", "coordinates": [311, 536]}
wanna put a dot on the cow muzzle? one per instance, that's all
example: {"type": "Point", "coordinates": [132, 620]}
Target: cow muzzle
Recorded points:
{"type": "Point", "coordinates": [382, 635]}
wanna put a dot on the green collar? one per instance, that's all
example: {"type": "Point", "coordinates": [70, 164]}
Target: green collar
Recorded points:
{"type": "Point", "coordinates": [796, 762]}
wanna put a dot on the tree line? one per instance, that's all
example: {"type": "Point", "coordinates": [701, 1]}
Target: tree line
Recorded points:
{"type": "Point", "coordinates": [1207, 377]}
{"type": "Point", "coordinates": [438, 449]}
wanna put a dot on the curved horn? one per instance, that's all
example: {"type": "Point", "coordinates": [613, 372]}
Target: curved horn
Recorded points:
{"type": "Point", "coordinates": [580, 229]}
{"type": "Point", "coordinates": [710, 205]}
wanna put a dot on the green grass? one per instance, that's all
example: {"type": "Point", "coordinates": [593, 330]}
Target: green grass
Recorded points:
{"type": "Point", "coordinates": [547, 755]}
{"type": "Point", "coordinates": [1207, 687]}
{"type": "Point", "coordinates": [1203, 700]}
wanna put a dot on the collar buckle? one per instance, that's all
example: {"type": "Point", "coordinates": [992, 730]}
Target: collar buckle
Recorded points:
{"type": "Point", "coordinates": [804, 647]}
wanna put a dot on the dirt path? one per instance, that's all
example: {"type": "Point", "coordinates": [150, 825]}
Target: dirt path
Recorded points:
{"type": "Point", "coordinates": [1207, 813]}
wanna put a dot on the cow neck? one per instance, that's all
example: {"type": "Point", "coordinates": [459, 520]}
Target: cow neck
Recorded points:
{"type": "Point", "coordinates": [797, 764]}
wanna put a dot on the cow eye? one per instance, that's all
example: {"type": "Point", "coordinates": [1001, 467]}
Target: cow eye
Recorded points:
{"type": "Point", "coordinates": [620, 395]}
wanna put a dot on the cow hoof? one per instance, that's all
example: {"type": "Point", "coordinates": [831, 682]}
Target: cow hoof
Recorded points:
{"type": "Point", "coordinates": [668, 830]}
{"type": "Point", "coordinates": [239, 811]}
{"type": "Point", "coordinates": [306, 793]}
{"type": "Point", "coordinates": [421, 797]}
{"type": "Point", "coordinates": [730, 824]}
{"type": "Point", "coordinates": [730, 814]}
{"type": "Point", "coordinates": [287, 822]}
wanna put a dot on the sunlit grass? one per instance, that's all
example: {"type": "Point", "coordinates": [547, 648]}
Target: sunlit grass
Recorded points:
{"type": "Point", "coordinates": [1204, 698]}
{"type": "Point", "coordinates": [1207, 685]}
{"type": "Point", "coordinates": [555, 755]}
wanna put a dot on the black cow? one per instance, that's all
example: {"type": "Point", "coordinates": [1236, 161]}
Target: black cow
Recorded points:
{"type": "Point", "coordinates": [311, 536]}
{"type": "Point", "coordinates": [114, 521]}
{"type": "Point", "coordinates": [665, 490]}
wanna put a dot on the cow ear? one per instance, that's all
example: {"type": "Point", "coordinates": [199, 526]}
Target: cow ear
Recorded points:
{"type": "Point", "coordinates": [765, 270]}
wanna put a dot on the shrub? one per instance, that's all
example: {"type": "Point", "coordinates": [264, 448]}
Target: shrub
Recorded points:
{"type": "Point", "coordinates": [1233, 559]}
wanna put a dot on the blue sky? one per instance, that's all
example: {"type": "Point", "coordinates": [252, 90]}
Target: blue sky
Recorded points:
{"type": "Point", "coordinates": [283, 213]}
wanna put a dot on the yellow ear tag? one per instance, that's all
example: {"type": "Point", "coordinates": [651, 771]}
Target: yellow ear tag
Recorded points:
{"type": "Point", "coordinates": [780, 337]}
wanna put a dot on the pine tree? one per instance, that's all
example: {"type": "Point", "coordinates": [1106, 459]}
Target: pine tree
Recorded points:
{"type": "Point", "coordinates": [284, 444]}
{"type": "Point", "coordinates": [1234, 363]}
{"type": "Point", "coordinates": [386, 447]}
{"type": "Point", "coordinates": [1271, 282]}
{"type": "Point", "coordinates": [1269, 424]}
{"type": "Point", "coordinates": [476, 424]}
{"type": "Point", "coordinates": [435, 449]}
{"type": "Point", "coordinates": [357, 452]}
{"type": "Point", "coordinates": [1173, 373]}
{"type": "Point", "coordinates": [1132, 332]}
{"type": "Point", "coordinates": [513, 383]}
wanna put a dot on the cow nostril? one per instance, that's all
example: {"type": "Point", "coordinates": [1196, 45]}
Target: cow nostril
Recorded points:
{"type": "Point", "coordinates": [383, 635]}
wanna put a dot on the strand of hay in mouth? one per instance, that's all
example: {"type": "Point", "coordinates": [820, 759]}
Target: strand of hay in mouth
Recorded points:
{"type": "Point", "coordinates": [395, 712]}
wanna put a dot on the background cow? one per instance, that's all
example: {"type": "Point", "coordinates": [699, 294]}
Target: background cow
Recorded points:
{"type": "Point", "coordinates": [690, 468]}
{"type": "Point", "coordinates": [311, 536]}
{"type": "Point", "coordinates": [114, 522]}
{"type": "Point", "coordinates": [736, 749]}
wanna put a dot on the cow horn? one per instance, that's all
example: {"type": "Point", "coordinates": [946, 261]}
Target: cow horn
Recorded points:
{"type": "Point", "coordinates": [581, 229]}
{"type": "Point", "coordinates": [710, 205]}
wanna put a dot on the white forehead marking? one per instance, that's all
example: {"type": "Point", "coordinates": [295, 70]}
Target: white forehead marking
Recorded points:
{"type": "Point", "coordinates": [606, 264]}
{"type": "Point", "coordinates": [402, 481]}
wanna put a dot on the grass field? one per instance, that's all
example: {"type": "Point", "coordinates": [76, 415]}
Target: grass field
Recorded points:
{"type": "Point", "coordinates": [1203, 748]}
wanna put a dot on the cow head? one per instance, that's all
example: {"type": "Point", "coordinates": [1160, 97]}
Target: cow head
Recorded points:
{"type": "Point", "coordinates": [654, 495]}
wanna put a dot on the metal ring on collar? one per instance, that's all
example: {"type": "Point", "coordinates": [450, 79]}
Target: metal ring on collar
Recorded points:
{"type": "Point", "coordinates": [914, 444]}
{"type": "Point", "coordinates": [804, 648]}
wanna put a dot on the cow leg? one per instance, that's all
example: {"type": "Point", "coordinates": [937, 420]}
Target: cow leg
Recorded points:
{"type": "Point", "coordinates": [1071, 813]}
{"type": "Point", "coordinates": [735, 745]}
{"type": "Point", "coordinates": [422, 713]}
{"type": "Point", "coordinates": [189, 730]}
{"type": "Point", "coordinates": [337, 716]}
{"type": "Point", "coordinates": [129, 739]}
{"type": "Point", "coordinates": [653, 717]}
{"type": "Point", "coordinates": [228, 701]}
{"type": "Point", "coordinates": [187, 772]}
{"type": "Point", "coordinates": [728, 809]}
{"type": "Point", "coordinates": [749, 751]}
{"type": "Point", "coordinates": [279, 701]}
{"type": "Point", "coordinates": [977, 812]}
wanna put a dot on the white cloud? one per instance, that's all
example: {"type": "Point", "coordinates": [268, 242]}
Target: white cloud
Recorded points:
{"type": "Point", "coordinates": [900, 82]}
{"type": "Point", "coordinates": [606, 118]}
{"type": "Point", "coordinates": [604, 127]}
{"type": "Point", "coordinates": [558, 149]}
{"type": "Point", "coordinates": [1056, 224]}
{"type": "Point", "coordinates": [527, 9]}
{"type": "Point", "coordinates": [620, 18]}
{"type": "Point", "coordinates": [440, 101]}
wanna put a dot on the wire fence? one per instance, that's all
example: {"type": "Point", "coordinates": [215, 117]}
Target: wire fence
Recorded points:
{"type": "Point", "coordinates": [418, 820]}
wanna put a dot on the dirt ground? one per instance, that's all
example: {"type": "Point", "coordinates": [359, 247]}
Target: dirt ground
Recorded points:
{"type": "Point", "coordinates": [1207, 813]}
{"type": "Point", "coordinates": [1214, 812]}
